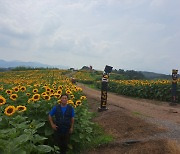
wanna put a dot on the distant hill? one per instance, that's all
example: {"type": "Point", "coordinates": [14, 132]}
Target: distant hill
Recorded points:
{"type": "Point", "coordinates": [152, 75]}
{"type": "Point", "coordinates": [8, 64]}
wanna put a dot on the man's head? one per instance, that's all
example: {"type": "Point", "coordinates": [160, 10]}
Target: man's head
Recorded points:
{"type": "Point", "coordinates": [64, 99]}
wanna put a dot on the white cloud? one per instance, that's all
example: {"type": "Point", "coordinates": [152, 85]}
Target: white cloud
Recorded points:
{"type": "Point", "coordinates": [127, 34]}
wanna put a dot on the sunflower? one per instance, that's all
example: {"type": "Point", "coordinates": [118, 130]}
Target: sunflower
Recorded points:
{"type": "Point", "coordinates": [8, 91]}
{"type": "Point", "coordinates": [51, 91]}
{"type": "Point", "coordinates": [46, 97]}
{"type": "Point", "coordinates": [57, 95]}
{"type": "Point", "coordinates": [60, 87]}
{"type": "Point", "coordinates": [48, 93]}
{"type": "Point", "coordinates": [79, 89]}
{"type": "Point", "coordinates": [21, 108]}
{"type": "Point", "coordinates": [16, 89]}
{"type": "Point", "coordinates": [2, 100]}
{"type": "Point", "coordinates": [68, 92]}
{"type": "Point", "coordinates": [35, 90]}
{"type": "Point", "coordinates": [10, 110]}
{"type": "Point", "coordinates": [13, 97]}
{"type": "Point", "coordinates": [74, 106]}
{"type": "Point", "coordinates": [1, 88]}
{"type": "Point", "coordinates": [30, 100]}
{"type": "Point", "coordinates": [23, 88]}
{"type": "Point", "coordinates": [78, 102]}
{"type": "Point", "coordinates": [43, 94]}
{"type": "Point", "coordinates": [72, 96]}
{"type": "Point", "coordinates": [83, 97]}
{"type": "Point", "coordinates": [36, 97]}
{"type": "Point", "coordinates": [59, 91]}
{"type": "Point", "coordinates": [70, 102]}
{"type": "Point", "coordinates": [28, 94]}
{"type": "Point", "coordinates": [48, 89]}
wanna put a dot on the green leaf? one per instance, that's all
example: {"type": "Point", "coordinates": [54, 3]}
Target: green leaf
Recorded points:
{"type": "Point", "coordinates": [81, 136]}
{"type": "Point", "coordinates": [20, 152]}
{"type": "Point", "coordinates": [70, 146]}
{"type": "Point", "coordinates": [88, 139]}
{"type": "Point", "coordinates": [44, 148]}
{"type": "Point", "coordinates": [21, 139]}
{"type": "Point", "coordinates": [38, 138]}
{"type": "Point", "coordinates": [48, 132]}
{"type": "Point", "coordinates": [40, 125]}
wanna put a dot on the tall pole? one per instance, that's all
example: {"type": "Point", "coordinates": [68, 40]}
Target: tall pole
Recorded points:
{"type": "Point", "coordinates": [104, 88]}
{"type": "Point", "coordinates": [174, 86]}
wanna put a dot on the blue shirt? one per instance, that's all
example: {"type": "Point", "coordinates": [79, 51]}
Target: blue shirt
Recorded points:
{"type": "Point", "coordinates": [53, 111]}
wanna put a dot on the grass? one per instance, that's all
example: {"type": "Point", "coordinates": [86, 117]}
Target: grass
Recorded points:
{"type": "Point", "coordinates": [100, 138]}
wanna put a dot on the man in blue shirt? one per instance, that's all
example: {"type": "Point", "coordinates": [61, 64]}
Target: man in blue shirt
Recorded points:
{"type": "Point", "coordinates": [64, 123]}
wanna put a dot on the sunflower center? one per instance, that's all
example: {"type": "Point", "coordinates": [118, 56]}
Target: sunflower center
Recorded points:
{"type": "Point", "coordinates": [10, 110]}
{"type": "Point", "coordinates": [20, 108]}
{"type": "Point", "coordinates": [1, 101]}
{"type": "Point", "coordinates": [14, 96]}
{"type": "Point", "coordinates": [35, 97]}
{"type": "Point", "coordinates": [46, 97]}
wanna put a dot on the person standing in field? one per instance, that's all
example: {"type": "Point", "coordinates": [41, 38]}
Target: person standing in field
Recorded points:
{"type": "Point", "coordinates": [63, 124]}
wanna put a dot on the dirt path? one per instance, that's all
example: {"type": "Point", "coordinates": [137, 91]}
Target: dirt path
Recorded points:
{"type": "Point", "coordinates": [140, 121]}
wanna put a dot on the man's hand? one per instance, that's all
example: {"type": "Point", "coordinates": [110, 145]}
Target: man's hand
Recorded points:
{"type": "Point", "coordinates": [52, 123]}
{"type": "Point", "coordinates": [54, 126]}
{"type": "Point", "coordinates": [71, 130]}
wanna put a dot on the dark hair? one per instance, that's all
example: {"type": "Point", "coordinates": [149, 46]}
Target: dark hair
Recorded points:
{"type": "Point", "coordinates": [64, 95]}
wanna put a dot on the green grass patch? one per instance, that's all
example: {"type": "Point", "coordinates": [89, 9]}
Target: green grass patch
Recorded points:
{"type": "Point", "coordinates": [100, 138]}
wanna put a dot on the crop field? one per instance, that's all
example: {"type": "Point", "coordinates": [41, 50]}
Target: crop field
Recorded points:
{"type": "Point", "coordinates": [148, 89]}
{"type": "Point", "coordinates": [26, 97]}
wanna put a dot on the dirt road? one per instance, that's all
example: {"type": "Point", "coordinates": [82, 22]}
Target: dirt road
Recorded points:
{"type": "Point", "coordinates": [153, 128]}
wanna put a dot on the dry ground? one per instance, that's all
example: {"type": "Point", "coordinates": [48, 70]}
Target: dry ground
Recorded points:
{"type": "Point", "coordinates": [138, 126]}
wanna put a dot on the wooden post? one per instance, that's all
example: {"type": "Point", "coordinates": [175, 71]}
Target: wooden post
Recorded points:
{"type": "Point", "coordinates": [104, 88]}
{"type": "Point", "coordinates": [174, 86]}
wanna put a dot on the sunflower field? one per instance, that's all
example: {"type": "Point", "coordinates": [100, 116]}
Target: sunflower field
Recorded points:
{"type": "Point", "coordinates": [26, 97]}
{"type": "Point", "coordinates": [148, 89]}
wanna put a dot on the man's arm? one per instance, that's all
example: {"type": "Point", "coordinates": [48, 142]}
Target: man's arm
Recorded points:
{"type": "Point", "coordinates": [52, 123]}
{"type": "Point", "coordinates": [72, 124]}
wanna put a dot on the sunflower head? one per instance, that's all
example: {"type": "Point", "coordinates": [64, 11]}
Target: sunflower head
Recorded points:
{"type": "Point", "coordinates": [10, 110]}
{"type": "Point", "coordinates": [68, 92]}
{"type": "Point", "coordinates": [36, 97]}
{"type": "Point", "coordinates": [21, 108]}
{"type": "Point", "coordinates": [8, 91]}
{"type": "Point", "coordinates": [83, 97]}
{"type": "Point", "coordinates": [16, 89]}
{"type": "Point", "coordinates": [2, 100]}
{"type": "Point", "coordinates": [51, 91]}
{"type": "Point", "coordinates": [47, 97]}
{"type": "Point", "coordinates": [28, 94]}
{"type": "Point", "coordinates": [35, 90]}
{"type": "Point", "coordinates": [23, 88]}
{"type": "Point", "coordinates": [59, 91]}
{"type": "Point", "coordinates": [1, 88]}
{"type": "Point", "coordinates": [78, 102]}
{"type": "Point", "coordinates": [72, 96]}
{"type": "Point", "coordinates": [70, 102]}
{"type": "Point", "coordinates": [13, 97]}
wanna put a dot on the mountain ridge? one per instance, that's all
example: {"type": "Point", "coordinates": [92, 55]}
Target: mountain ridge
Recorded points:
{"type": "Point", "coordinates": [17, 63]}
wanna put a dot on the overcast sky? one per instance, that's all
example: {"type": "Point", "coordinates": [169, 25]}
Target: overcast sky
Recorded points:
{"type": "Point", "coordinates": [141, 35]}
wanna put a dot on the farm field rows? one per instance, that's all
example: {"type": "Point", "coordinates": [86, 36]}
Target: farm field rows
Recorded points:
{"type": "Point", "coordinates": [26, 97]}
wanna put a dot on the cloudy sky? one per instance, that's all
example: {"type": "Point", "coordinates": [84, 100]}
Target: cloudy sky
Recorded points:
{"type": "Point", "coordinates": [142, 35]}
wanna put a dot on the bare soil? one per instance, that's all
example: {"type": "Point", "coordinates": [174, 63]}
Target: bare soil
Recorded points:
{"type": "Point", "coordinates": [137, 125]}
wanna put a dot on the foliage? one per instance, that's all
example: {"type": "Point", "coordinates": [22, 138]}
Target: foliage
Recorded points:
{"type": "Point", "coordinates": [149, 89]}
{"type": "Point", "coordinates": [24, 112]}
